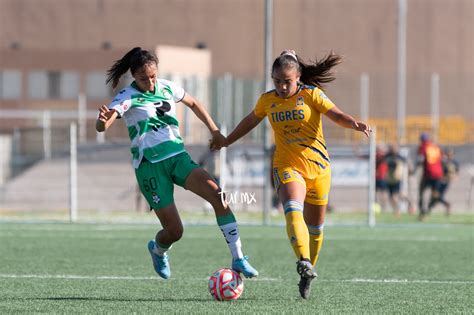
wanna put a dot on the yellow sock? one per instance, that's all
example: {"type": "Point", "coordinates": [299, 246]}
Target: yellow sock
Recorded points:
{"type": "Point", "coordinates": [297, 229]}
{"type": "Point", "coordinates": [316, 236]}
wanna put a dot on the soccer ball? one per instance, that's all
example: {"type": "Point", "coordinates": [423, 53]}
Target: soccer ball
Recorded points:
{"type": "Point", "coordinates": [226, 284]}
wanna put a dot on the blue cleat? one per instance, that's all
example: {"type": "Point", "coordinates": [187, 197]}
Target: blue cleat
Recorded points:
{"type": "Point", "coordinates": [160, 263]}
{"type": "Point", "coordinates": [242, 266]}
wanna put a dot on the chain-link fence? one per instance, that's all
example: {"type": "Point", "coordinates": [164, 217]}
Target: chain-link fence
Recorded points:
{"type": "Point", "coordinates": [35, 164]}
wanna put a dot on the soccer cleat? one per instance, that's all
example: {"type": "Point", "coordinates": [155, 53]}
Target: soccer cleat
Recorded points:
{"type": "Point", "coordinates": [243, 266]}
{"type": "Point", "coordinates": [160, 263]}
{"type": "Point", "coordinates": [305, 270]}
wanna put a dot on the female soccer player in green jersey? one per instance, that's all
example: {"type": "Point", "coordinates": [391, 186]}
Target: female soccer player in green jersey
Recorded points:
{"type": "Point", "coordinates": [148, 108]}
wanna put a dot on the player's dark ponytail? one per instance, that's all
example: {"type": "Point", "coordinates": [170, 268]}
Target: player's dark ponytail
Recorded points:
{"type": "Point", "coordinates": [133, 60]}
{"type": "Point", "coordinates": [319, 72]}
{"type": "Point", "coordinates": [315, 73]}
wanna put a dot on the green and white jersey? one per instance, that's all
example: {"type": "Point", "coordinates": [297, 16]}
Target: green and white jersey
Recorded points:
{"type": "Point", "coordinates": [151, 120]}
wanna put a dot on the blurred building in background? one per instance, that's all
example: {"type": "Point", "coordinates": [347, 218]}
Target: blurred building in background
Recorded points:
{"type": "Point", "coordinates": [51, 50]}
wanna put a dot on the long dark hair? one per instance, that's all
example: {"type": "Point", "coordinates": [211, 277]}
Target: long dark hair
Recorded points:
{"type": "Point", "coordinates": [133, 60]}
{"type": "Point", "coordinates": [315, 73]}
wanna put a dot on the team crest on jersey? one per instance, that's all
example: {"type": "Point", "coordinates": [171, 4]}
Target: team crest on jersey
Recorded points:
{"type": "Point", "coordinates": [300, 101]}
{"type": "Point", "coordinates": [167, 94]}
{"type": "Point", "coordinates": [323, 96]}
{"type": "Point", "coordinates": [156, 198]}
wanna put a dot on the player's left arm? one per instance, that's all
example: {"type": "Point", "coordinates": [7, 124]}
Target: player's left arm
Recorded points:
{"type": "Point", "coordinates": [347, 121]}
{"type": "Point", "coordinates": [199, 110]}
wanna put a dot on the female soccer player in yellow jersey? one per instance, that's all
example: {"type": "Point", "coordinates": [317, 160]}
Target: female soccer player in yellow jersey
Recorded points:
{"type": "Point", "coordinates": [301, 164]}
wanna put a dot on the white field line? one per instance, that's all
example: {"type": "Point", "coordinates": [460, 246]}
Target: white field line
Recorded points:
{"type": "Point", "coordinates": [76, 277]}
{"type": "Point", "coordinates": [356, 280]}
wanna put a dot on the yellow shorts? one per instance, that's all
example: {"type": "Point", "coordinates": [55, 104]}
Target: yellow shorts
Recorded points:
{"type": "Point", "coordinates": [317, 188]}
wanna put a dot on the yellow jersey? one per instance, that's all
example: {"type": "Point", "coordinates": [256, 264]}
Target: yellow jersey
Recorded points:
{"type": "Point", "coordinates": [297, 129]}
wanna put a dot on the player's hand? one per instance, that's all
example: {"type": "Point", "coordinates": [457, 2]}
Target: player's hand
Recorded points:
{"type": "Point", "coordinates": [218, 141]}
{"type": "Point", "coordinates": [362, 127]}
{"type": "Point", "coordinates": [104, 114]}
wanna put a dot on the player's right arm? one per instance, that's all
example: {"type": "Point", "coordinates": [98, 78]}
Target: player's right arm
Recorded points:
{"type": "Point", "coordinates": [106, 118]}
{"type": "Point", "coordinates": [245, 125]}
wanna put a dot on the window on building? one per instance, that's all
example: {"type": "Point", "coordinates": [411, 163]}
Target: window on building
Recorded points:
{"type": "Point", "coordinates": [38, 85]}
{"type": "Point", "coordinates": [69, 85]}
{"type": "Point", "coordinates": [53, 85]}
{"type": "Point", "coordinates": [10, 84]}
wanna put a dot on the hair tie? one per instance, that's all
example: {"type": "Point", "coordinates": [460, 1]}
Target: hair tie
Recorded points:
{"type": "Point", "coordinates": [291, 53]}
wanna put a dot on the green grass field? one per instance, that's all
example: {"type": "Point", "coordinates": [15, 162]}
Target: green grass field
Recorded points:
{"type": "Point", "coordinates": [106, 268]}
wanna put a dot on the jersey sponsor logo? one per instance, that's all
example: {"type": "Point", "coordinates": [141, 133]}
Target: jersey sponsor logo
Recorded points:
{"type": "Point", "coordinates": [124, 105]}
{"type": "Point", "coordinates": [273, 105]}
{"type": "Point", "coordinates": [314, 195]}
{"type": "Point", "coordinates": [286, 175]}
{"type": "Point", "coordinates": [162, 107]}
{"type": "Point", "coordinates": [289, 130]}
{"type": "Point", "coordinates": [288, 115]}
{"type": "Point", "coordinates": [115, 100]}
{"type": "Point", "coordinates": [121, 92]}
{"type": "Point", "coordinates": [140, 100]}
{"type": "Point", "coordinates": [300, 101]}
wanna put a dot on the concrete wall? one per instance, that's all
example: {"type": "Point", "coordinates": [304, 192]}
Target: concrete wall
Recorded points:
{"type": "Point", "coordinates": [86, 34]}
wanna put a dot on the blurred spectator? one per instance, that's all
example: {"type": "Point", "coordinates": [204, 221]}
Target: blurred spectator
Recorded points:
{"type": "Point", "coordinates": [381, 169]}
{"type": "Point", "coordinates": [450, 171]}
{"type": "Point", "coordinates": [430, 157]}
{"type": "Point", "coordinates": [396, 165]}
